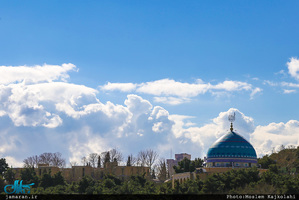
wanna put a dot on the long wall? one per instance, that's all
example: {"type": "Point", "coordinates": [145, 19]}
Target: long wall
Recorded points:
{"type": "Point", "coordinates": [78, 172]}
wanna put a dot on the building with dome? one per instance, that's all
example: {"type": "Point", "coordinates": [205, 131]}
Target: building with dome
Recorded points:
{"type": "Point", "coordinates": [231, 150]}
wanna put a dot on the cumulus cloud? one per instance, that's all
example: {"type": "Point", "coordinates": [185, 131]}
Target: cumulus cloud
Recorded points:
{"type": "Point", "coordinates": [272, 136]}
{"type": "Point", "coordinates": [263, 138]}
{"type": "Point", "coordinates": [43, 114]}
{"type": "Point", "coordinates": [293, 66]}
{"type": "Point", "coordinates": [34, 74]}
{"type": "Point", "coordinates": [49, 115]}
{"type": "Point", "coordinates": [31, 105]}
{"type": "Point", "coordinates": [172, 92]}
{"type": "Point", "coordinates": [203, 137]}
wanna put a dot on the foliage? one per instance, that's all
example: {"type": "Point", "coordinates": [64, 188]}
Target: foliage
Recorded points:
{"type": "Point", "coordinates": [84, 183]}
{"type": "Point", "coordinates": [3, 166]}
{"type": "Point", "coordinates": [2, 185]}
{"type": "Point", "coordinates": [58, 179]}
{"type": "Point", "coordinates": [266, 161]}
{"type": "Point", "coordinates": [187, 165]}
{"type": "Point", "coordinates": [237, 181]}
{"type": "Point", "coordinates": [9, 176]}
{"type": "Point", "coordinates": [46, 180]}
{"type": "Point", "coordinates": [129, 161]}
{"type": "Point", "coordinates": [28, 176]}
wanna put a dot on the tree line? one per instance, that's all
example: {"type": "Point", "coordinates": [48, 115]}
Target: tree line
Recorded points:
{"type": "Point", "coordinates": [279, 179]}
{"type": "Point", "coordinates": [243, 181]}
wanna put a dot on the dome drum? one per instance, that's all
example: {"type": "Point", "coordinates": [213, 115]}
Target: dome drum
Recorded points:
{"type": "Point", "coordinates": [233, 160]}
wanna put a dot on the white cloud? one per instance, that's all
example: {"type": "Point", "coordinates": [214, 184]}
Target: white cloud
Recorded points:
{"type": "Point", "coordinates": [273, 135]}
{"type": "Point", "coordinates": [271, 83]}
{"type": "Point", "coordinates": [293, 67]}
{"type": "Point", "coordinates": [167, 87]}
{"type": "Point", "coordinates": [171, 100]}
{"type": "Point", "coordinates": [254, 92]}
{"type": "Point", "coordinates": [295, 85]}
{"type": "Point", "coordinates": [35, 74]}
{"type": "Point", "coordinates": [232, 86]}
{"type": "Point", "coordinates": [124, 87]}
{"type": "Point", "coordinates": [203, 137]}
{"type": "Point", "coordinates": [45, 114]}
{"type": "Point", "coordinates": [173, 92]}
{"type": "Point", "coordinates": [49, 115]}
{"type": "Point", "coordinates": [31, 105]}
{"type": "Point", "coordinates": [288, 91]}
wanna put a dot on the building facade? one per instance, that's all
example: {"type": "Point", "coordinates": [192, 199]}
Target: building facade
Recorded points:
{"type": "Point", "coordinates": [76, 173]}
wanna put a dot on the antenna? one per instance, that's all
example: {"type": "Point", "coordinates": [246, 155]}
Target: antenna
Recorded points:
{"type": "Point", "coordinates": [231, 118]}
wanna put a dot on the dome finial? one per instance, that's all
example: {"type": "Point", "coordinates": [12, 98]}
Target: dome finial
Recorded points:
{"type": "Point", "coordinates": [231, 118]}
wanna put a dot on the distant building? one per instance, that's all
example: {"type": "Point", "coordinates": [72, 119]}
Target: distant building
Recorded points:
{"type": "Point", "coordinates": [76, 173]}
{"type": "Point", "coordinates": [172, 162]}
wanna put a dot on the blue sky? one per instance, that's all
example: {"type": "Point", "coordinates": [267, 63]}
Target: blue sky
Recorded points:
{"type": "Point", "coordinates": [195, 59]}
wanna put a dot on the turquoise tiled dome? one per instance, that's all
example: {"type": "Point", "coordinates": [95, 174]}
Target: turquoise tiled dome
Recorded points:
{"type": "Point", "coordinates": [233, 146]}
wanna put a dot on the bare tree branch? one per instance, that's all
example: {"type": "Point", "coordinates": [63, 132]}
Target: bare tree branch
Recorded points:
{"type": "Point", "coordinates": [84, 161]}
{"type": "Point", "coordinates": [151, 157]}
{"type": "Point", "coordinates": [46, 158]}
{"type": "Point", "coordinates": [93, 159]}
{"type": "Point", "coordinates": [57, 161]}
{"type": "Point", "coordinates": [141, 158]}
{"type": "Point", "coordinates": [115, 155]}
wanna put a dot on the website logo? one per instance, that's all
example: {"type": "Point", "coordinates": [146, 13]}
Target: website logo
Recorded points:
{"type": "Point", "coordinates": [18, 188]}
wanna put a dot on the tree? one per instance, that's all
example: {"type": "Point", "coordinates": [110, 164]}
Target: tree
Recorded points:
{"type": "Point", "coordinates": [151, 157]}
{"type": "Point", "coordinates": [84, 160]}
{"type": "Point", "coordinates": [28, 175]}
{"type": "Point", "coordinates": [141, 158]}
{"type": "Point", "coordinates": [29, 162]}
{"type": "Point", "coordinates": [9, 176]}
{"type": "Point", "coordinates": [84, 183]}
{"type": "Point", "coordinates": [46, 180]}
{"type": "Point", "coordinates": [107, 157]}
{"type": "Point", "coordinates": [265, 161]}
{"type": "Point", "coordinates": [2, 185]}
{"type": "Point", "coordinates": [147, 158]}
{"type": "Point", "coordinates": [162, 172]}
{"type": "Point", "coordinates": [74, 163]}
{"type": "Point", "coordinates": [58, 179]}
{"type": "Point", "coordinates": [52, 159]}
{"type": "Point", "coordinates": [99, 162]}
{"type": "Point", "coordinates": [46, 158]}
{"type": "Point", "coordinates": [129, 161]}
{"type": "Point", "coordinates": [153, 175]}
{"type": "Point", "coordinates": [184, 166]}
{"type": "Point", "coordinates": [198, 162]}
{"type": "Point", "coordinates": [57, 160]}
{"type": "Point", "coordinates": [115, 155]}
{"type": "Point", "coordinates": [3, 166]}
{"type": "Point", "coordinates": [92, 158]}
